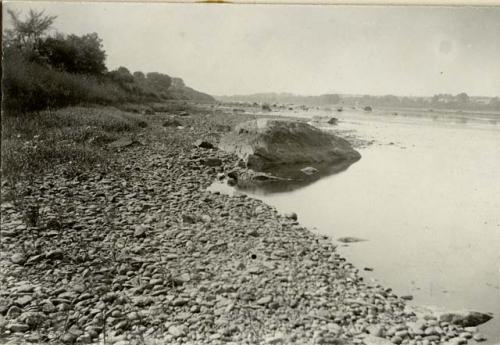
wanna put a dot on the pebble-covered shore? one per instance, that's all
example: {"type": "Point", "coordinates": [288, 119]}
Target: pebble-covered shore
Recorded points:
{"type": "Point", "coordinates": [138, 252]}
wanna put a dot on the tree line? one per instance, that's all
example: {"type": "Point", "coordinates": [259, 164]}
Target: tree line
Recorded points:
{"type": "Point", "coordinates": [43, 70]}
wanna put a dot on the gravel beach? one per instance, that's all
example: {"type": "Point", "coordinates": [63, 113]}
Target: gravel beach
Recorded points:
{"type": "Point", "coordinates": [138, 252]}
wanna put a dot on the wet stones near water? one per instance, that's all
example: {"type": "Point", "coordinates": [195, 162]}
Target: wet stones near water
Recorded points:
{"type": "Point", "coordinates": [465, 318]}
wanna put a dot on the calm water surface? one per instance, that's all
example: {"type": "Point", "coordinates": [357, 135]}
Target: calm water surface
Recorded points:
{"type": "Point", "coordinates": [428, 204]}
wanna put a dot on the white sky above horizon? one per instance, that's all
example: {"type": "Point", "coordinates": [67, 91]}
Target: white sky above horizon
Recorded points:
{"type": "Point", "coordinates": [302, 49]}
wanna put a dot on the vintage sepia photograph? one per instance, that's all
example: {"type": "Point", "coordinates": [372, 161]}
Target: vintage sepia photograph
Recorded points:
{"type": "Point", "coordinates": [222, 173]}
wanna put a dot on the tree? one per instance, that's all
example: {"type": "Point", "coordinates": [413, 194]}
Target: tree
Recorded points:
{"type": "Point", "coordinates": [161, 82]}
{"type": "Point", "coordinates": [139, 75]}
{"type": "Point", "coordinates": [121, 75]}
{"type": "Point", "coordinates": [462, 98]}
{"type": "Point", "coordinates": [27, 33]}
{"type": "Point", "coordinates": [74, 54]}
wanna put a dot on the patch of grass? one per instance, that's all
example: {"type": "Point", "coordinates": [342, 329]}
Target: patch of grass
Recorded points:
{"type": "Point", "coordinates": [35, 143]}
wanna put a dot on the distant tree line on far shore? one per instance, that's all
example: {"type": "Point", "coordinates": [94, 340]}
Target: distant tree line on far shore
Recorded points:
{"type": "Point", "coordinates": [461, 101]}
{"type": "Point", "coordinates": [43, 71]}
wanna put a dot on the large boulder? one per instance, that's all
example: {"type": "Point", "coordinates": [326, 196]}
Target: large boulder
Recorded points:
{"type": "Point", "coordinates": [265, 144]}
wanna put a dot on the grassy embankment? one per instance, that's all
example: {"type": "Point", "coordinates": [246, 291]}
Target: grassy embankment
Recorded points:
{"type": "Point", "coordinates": [51, 116]}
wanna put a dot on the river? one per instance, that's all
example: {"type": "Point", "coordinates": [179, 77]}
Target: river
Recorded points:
{"type": "Point", "coordinates": [426, 197]}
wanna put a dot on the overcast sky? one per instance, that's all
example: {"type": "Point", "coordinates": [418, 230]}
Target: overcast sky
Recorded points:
{"type": "Point", "coordinates": [239, 49]}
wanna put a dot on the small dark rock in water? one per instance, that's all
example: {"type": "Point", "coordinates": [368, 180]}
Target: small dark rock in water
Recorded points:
{"type": "Point", "coordinates": [479, 337]}
{"type": "Point", "coordinates": [350, 239]}
{"type": "Point", "coordinates": [291, 215]}
{"type": "Point", "coordinates": [333, 121]}
{"type": "Point", "coordinates": [204, 144]}
{"type": "Point", "coordinates": [309, 170]}
{"type": "Point", "coordinates": [183, 113]}
{"type": "Point", "coordinates": [367, 108]}
{"type": "Point", "coordinates": [407, 297]}
{"type": "Point", "coordinates": [370, 269]}
{"type": "Point", "coordinates": [465, 318]}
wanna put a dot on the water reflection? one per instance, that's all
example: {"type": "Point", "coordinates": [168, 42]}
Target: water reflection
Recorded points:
{"type": "Point", "coordinates": [291, 177]}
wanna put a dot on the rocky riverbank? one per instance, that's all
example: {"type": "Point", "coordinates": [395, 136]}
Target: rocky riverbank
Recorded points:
{"type": "Point", "coordinates": [138, 252]}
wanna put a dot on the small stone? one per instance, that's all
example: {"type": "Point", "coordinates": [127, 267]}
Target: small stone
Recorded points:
{"type": "Point", "coordinates": [203, 144]}
{"type": "Point", "coordinates": [18, 327]}
{"type": "Point", "coordinates": [372, 340]}
{"type": "Point", "coordinates": [48, 307]}
{"type": "Point", "coordinates": [84, 338]}
{"type": "Point", "coordinates": [140, 231]}
{"type": "Point", "coordinates": [396, 340]}
{"type": "Point", "coordinates": [183, 278]}
{"type": "Point", "coordinates": [188, 219]}
{"type": "Point", "coordinates": [309, 171]}
{"type": "Point", "coordinates": [350, 239]}
{"type": "Point", "coordinates": [55, 255]}
{"type": "Point", "coordinates": [376, 330]}
{"type": "Point", "coordinates": [264, 300]}
{"type": "Point", "coordinates": [277, 338]}
{"type": "Point", "coordinates": [291, 215]}
{"type": "Point", "coordinates": [479, 337]}
{"type": "Point", "coordinates": [32, 319]}
{"type": "Point", "coordinates": [24, 288]}
{"type": "Point", "coordinates": [24, 300]}
{"type": "Point", "coordinates": [465, 335]}
{"type": "Point", "coordinates": [68, 338]}
{"type": "Point", "coordinates": [18, 259]}
{"type": "Point", "coordinates": [179, 302]}
{"type": "Point", "coordinates": [177, 331]}
{"type": "Point", "coordinates": [14, 312]}
{"type": "Point", "coordinates": [457, 341]}
{"type": "Point", "coordinates": [213, 162]}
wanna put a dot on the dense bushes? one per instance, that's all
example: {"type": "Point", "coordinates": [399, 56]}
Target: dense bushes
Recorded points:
{"type": "Point", "coordinates": [29, 86]}
{"type": "Point", "coordinates": [73, 54]}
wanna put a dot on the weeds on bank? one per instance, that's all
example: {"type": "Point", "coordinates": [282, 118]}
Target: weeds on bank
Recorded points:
{"type": "Point", "coordinates": [37, 142]}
